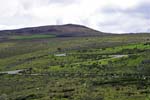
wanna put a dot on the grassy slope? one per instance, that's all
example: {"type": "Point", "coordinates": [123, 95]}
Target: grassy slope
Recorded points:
{"type": "Point", "coordinates": [31, 37]}
{"type": "Point", "coordinates": [72, 77]}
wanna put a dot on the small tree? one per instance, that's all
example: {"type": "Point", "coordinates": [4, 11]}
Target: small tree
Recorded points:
{"type": "Point", "coordinates": [59, 49]}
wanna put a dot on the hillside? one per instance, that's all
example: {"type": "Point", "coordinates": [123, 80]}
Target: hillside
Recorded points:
{"type": "Point", "coordinates": [73, 62]}
{"type": "Point", "coordinates": [68, 30]}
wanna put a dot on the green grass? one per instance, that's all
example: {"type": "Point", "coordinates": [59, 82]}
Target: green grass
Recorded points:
{"type": "Point", "coordinates": [31, 37]}
{"type": "Point", "coordinates": [88, 72]}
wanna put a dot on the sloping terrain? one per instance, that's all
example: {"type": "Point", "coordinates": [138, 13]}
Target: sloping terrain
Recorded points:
{"type": "Point", "coordinates": [68, 30]}
{"type": "Point", "coordinates": [43, 66]}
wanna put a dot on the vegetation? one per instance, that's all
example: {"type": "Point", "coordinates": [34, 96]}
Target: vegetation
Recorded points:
{"type": "Point", "coordinates": [31, 37]}
{"type": "Point", "coordinates": [113, 67]}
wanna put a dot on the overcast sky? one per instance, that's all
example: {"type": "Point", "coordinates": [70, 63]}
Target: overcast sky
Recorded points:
{"type": "Point", "coordinates": [103, 15]}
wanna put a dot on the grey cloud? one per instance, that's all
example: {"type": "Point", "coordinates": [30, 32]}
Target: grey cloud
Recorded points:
{"type": "Point", "coordinates": [141, 10]}
{"type": "Point", "coordinates": [26, 13]}
{"type": "Point", "coordinates": [29, 4]}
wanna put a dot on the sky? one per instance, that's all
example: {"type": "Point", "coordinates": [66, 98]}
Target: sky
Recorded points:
{"type": "Point", "coordinates": [116, 16]}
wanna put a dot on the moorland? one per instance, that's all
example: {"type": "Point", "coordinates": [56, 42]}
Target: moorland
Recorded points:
{"type": "Point", "coordinates": [73, 62]}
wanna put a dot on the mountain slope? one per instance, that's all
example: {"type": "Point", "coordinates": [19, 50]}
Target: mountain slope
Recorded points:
{"type": "Point", "coordinates": [68, 30]}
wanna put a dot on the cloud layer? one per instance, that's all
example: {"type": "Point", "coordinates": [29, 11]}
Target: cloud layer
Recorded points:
{"type": "Point", "coordinates": [104, 15]}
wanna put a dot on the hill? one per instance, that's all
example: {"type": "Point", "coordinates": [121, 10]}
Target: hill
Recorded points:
{"type": "Point", "coordinates": [73, 62]}
{"type": "Point", "coordinates": [68, 30]}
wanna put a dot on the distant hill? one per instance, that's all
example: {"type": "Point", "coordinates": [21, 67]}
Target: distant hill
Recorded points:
{"type": "Point", "coordinates": [68, 30]}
